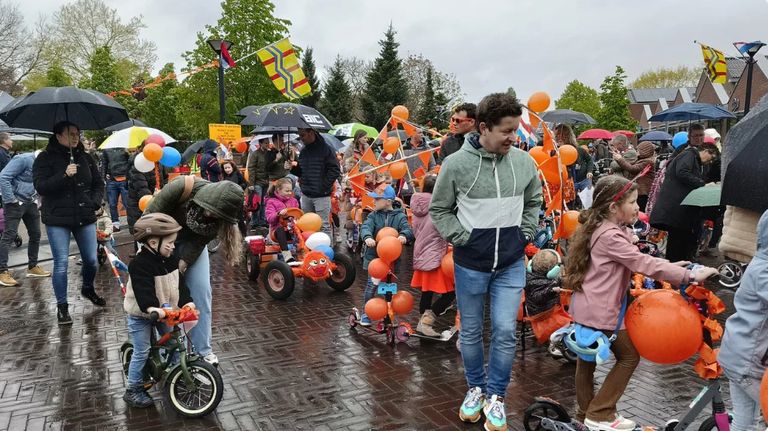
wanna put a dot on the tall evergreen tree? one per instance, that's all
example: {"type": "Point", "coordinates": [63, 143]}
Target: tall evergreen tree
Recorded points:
{"type": "Point", "coordinates": [337, 99]}
{"type": "Point", "coordinates": [104, 77]}
{"type": "Point", "coordinates": [385, 85]}
{"type": "Point", "coordinates": [614, 112]}
{"type": "Point", "coordinates": [56, 76]}
{"type": "Point", "coordinates": [428, 108]}
{"type": "Point", "coordinates": [308, 65]}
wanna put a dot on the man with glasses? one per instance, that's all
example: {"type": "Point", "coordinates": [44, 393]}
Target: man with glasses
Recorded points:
{"type": "Point", "coordinates": [462, 123]}
{"type": "Point", "coordinates": [695, 138]}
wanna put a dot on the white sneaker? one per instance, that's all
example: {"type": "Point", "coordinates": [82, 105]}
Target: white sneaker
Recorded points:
{"type": "Point", "coordinates": [618, 424]}
{"type": "Point", "coordinates": [211, 359]}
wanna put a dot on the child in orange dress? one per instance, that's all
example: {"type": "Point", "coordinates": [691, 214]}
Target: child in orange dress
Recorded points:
{"type": "Point", "coordinates": [428, 252]}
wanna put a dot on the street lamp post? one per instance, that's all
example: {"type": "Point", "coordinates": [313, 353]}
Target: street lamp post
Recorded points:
{"type": "Point", "coordinates": [216, 44]}
{"type": "Point", "coordinates": [751, 52]}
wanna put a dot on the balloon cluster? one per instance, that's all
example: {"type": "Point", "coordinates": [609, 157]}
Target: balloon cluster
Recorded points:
{"type": "Point", "coordinates": [392, 144]}
{"type": "Point", "coordinates": [388, 248]}
{"type": "Point", "coordinates": [155, 151]}
{"type": "Point", "coordinates": [310, 224]}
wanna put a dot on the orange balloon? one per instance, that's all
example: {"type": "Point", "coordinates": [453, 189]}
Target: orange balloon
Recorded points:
{"type": "Point", "coordinates": [569, 222]}
{"type": "Point", "coordinates": [377, 268]}
{"type": "Point", "coordinates": [446, 265]}
{"type": "Point", "coordinates": [385, 232]}
{"type": "Point", "coordinates": [539, 101]}
{"type": "Point", "coordinates": [241, 147]}
{"type": "Point", "coordinates": [568, 154]}
{"type": "Point", "coordinates": [664, 327]}
{"type": "Point", "coordinates": [764, 395]}
{"type": "Point", "coordinates": [398, 170]}
{"type": "Point", "coordinates": [153, 152]}
{"type": "Point", "coordinates": [310, 222]}
{"type": "Point", "coordinates": [402, 302]}
{"type": "Point", "coordinates": [389, 249]}
{"type": "Point", "coordinates": [538, 154]}
{"type": "Point", "coordinates": [391, 145]}
{"type": "Point", "coordinates": [144, 201]}
{"type": "Point", "coordinates": [376, 308]}
{"type": "Point", "coordinates": [401, 112]}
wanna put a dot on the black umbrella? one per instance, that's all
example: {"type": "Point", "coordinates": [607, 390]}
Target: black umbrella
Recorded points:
{"type": "Point", "coordinates": [286, 117]}
{"type": "Point", "coordinates": [42, 109]}
{"type": "Point", "coordinates": [567, 116]}
{"type": "Point", "coordinates": [20, 130]}
{"type": "Point", "coordinates": [332, 141]}
{"type": "Point", "coordinates": [248, 110]}
{"type": "Point", "coordinates": [125, 125]}
{"type": "Point", "coordinates": [5, 99]}
{"type": "Point", "coordinates": [192, 150]}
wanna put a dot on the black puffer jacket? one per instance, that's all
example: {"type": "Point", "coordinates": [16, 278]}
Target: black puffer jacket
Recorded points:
{"type": "Point", "coordinates": [684, 174]}
{"type": "Point", "coordinates": [67, 201]}
{"type": "Point", "coordinates": [539, 296]}
{"type": "Point", "coordinates": [140, 184]}
{"type": "Point", "coordinates": [116, 162]}
{"type": "Point", "coordinates": [318, 169]}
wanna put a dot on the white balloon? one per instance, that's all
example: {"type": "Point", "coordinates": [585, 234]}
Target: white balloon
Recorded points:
{"type": "Point", "coordinates": [142, 164]}
{"type": "Point", "coordinates": [318, 239]}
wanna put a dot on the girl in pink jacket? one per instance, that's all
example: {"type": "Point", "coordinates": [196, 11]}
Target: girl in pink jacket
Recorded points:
{"type": "Point", "coordinates": [601, 259]}
{"type": "Point", "coordinates": [279, 198]}
{"type": "Point", "coordinates": [428, 251]}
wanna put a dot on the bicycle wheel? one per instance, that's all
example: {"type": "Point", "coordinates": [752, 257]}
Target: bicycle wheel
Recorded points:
{"type": "Point", "coordinates": [201, 399]}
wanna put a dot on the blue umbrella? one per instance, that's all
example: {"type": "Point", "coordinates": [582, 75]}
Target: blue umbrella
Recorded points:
{"type": "Point", "coordinates": [692, 112]}
{"type": "Point", "coordinates": [656, 135]}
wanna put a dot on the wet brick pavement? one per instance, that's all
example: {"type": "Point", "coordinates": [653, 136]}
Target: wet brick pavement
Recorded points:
{"type": "Point", "coordinates": [292, 365]}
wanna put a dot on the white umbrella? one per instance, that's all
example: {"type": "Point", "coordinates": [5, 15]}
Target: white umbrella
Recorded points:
{"type": "Point", "coordinates": [132, 137]}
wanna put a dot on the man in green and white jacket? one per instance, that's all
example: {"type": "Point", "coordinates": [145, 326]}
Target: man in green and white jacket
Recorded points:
{"type": "Point", "coordinates": [486, 203]}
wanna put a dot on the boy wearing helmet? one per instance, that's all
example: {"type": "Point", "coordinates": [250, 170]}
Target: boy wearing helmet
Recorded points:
{"type": "Point", "coordinates": [155, 284]}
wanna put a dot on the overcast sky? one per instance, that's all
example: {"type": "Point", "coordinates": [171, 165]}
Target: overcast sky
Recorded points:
{"type": "Point", "coordinates": [488, 44]}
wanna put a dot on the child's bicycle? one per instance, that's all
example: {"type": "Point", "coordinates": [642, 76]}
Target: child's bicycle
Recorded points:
{"type": "Point", "coordinates": [396, 332]}
{"type": "Point", "coordinates": [194, 387]}
{"type": "Point", "coordinates": [731, 273]}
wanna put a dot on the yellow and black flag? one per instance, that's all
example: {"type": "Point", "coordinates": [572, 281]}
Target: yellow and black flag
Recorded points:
{"type": "Point", "coordinates": [284, 70]}
{"type": "Point", "coordinates": [714, 61]}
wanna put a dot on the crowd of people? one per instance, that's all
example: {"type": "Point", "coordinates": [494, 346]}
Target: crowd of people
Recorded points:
{"type": "Point", "coordinates": [483, 205]}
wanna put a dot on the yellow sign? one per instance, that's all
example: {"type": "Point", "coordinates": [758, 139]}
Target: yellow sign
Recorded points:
{"type": "Point", "coordinates": [224, 134]}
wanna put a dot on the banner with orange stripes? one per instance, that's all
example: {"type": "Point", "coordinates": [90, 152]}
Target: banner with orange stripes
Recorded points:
{"type": "Point", "coordinates": [284, 70]}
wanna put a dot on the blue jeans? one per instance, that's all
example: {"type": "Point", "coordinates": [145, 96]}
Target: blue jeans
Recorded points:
{"type": "Point", "coordinates": [583, 184]}
{"type": "Point", "coordinates": [506, 289]}
{"type": "Point", "coordinates": [369, 291]}
{"type": "Point", "coordinates": [198, 279]}
{"type": "Point", "coordinates": [140, 330]}
{"type": "Point", "coordinates": [745, 398]}
{"type": "Point", "coordinates": [320, 206]}
{"type": "Point", "coordinates": [259, 217]}
{"type": "Point", "coordinates": [116, 189]}
{"type": "Point", "coordinates": [85, 236]}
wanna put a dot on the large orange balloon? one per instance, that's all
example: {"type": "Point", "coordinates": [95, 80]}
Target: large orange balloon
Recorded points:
{"type": "Point", "coordinates": [398, 170]}
{"type": "Point", "coordinates": [402, 302]}
{"type": "Point", "coordinates": [664, 327]}
{"type": "Point", "coordinates": [385, 232]}
{"type": "Point", "coordinates": [241, 147]}
{"type": "Point", "coordinates": [153, 152]}
{"type": "Point", "coordinates": [568, 154]}
{"type": "Point", "coordinates": [310, 221]}
{"type": "Point", "coordinates": [401, 112]}
{"type": "Point", "coordinates": [377, 268]}
{"type": "Point", "coordinates": [376, 308]}
{"type": "Point", "coordinates": [144, 201]}
{"type": "Point", "coordinates": [569, 222]}
{"type": "Point", "coordinates": [539, 101]}
{"type": "Point", "coordinates": [391, 145]}
{"type": "Point", "coordinates": [446, 265]}
{"type": "Point", "coordinates": [538, 154]}
{"type": "Point", "coordinates": [389, 249]}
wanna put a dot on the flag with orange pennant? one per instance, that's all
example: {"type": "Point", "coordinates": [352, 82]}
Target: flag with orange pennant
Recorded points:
{"type": "Point", "coordinates": [556, 203]}
{"type": "Point", "coordinates": [425, 157]}
{"type": "Point", "coordinates": [419, 173]}
{"type": "Point", "coordinates": [283, 68]}
{"type": "Point", "coordinates": [549, 141]}
{"type": "Point", "coordinates": [369, 157]}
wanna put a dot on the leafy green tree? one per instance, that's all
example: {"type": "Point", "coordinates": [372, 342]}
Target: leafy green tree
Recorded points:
{"type": "Point", "coordinates": [614, 112]}
{"type": "Point", "coordinates": [103, 72]}
{"type": "Point", "coordinates": [579, 97]}
{"type": "Point", "coordinates": [56, 76]}
{"type": "Point", "coordinates": [668, 77]}
{"type": "Point", "coordinates": [308, 66]}
{"type": "Point", "coordinates": [160, 107]}
{"type": "Point", "coordinates": [249, 25]}
{"type": "Point", "coordinates": [511, 91]}
{"type": "Point", "coordinates": [337, 99]}
{"type": "Point", "coordinates": [415, 69]}
{"type": "Point", "coordinates": [385, 85]}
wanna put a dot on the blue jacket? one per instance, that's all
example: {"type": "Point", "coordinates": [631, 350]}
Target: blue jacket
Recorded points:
{"type": "Point", "coordinates": [16, 180]}
{"type": "Point", "coordinates": [210, 169]}
{"type": "Point", "coordinates": [745, 341]}
{"type": "Point", "coordinates": [376, 220]}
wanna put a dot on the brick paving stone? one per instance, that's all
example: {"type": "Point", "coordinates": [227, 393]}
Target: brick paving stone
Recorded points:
{"type": "Point", "coordinates": [291, 365]}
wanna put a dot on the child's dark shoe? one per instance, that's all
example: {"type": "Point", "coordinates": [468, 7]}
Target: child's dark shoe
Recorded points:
{"type": "Point", "coordinates": [137, 396]}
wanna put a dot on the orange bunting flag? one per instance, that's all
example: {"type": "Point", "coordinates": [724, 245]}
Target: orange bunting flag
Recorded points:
{"type": "Point", "coordinates": [355, 169]}
{"type": "Point", "coordinates": [409, 129]}
{"type": "Point", "coordinates": [549, 141]}
{"type": "Point", "coordinates": [369, 157]}
{"type": "Point", "coordinates": [358, 183]}
{"type": "Point", "coordinates": [425, 157]}
{"type": "Point", "coordinates": [419, 173]}
{"type": "Point", "coordinates": [556, 203]}
{"type": "Point", "coordinates": [383, 135]}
